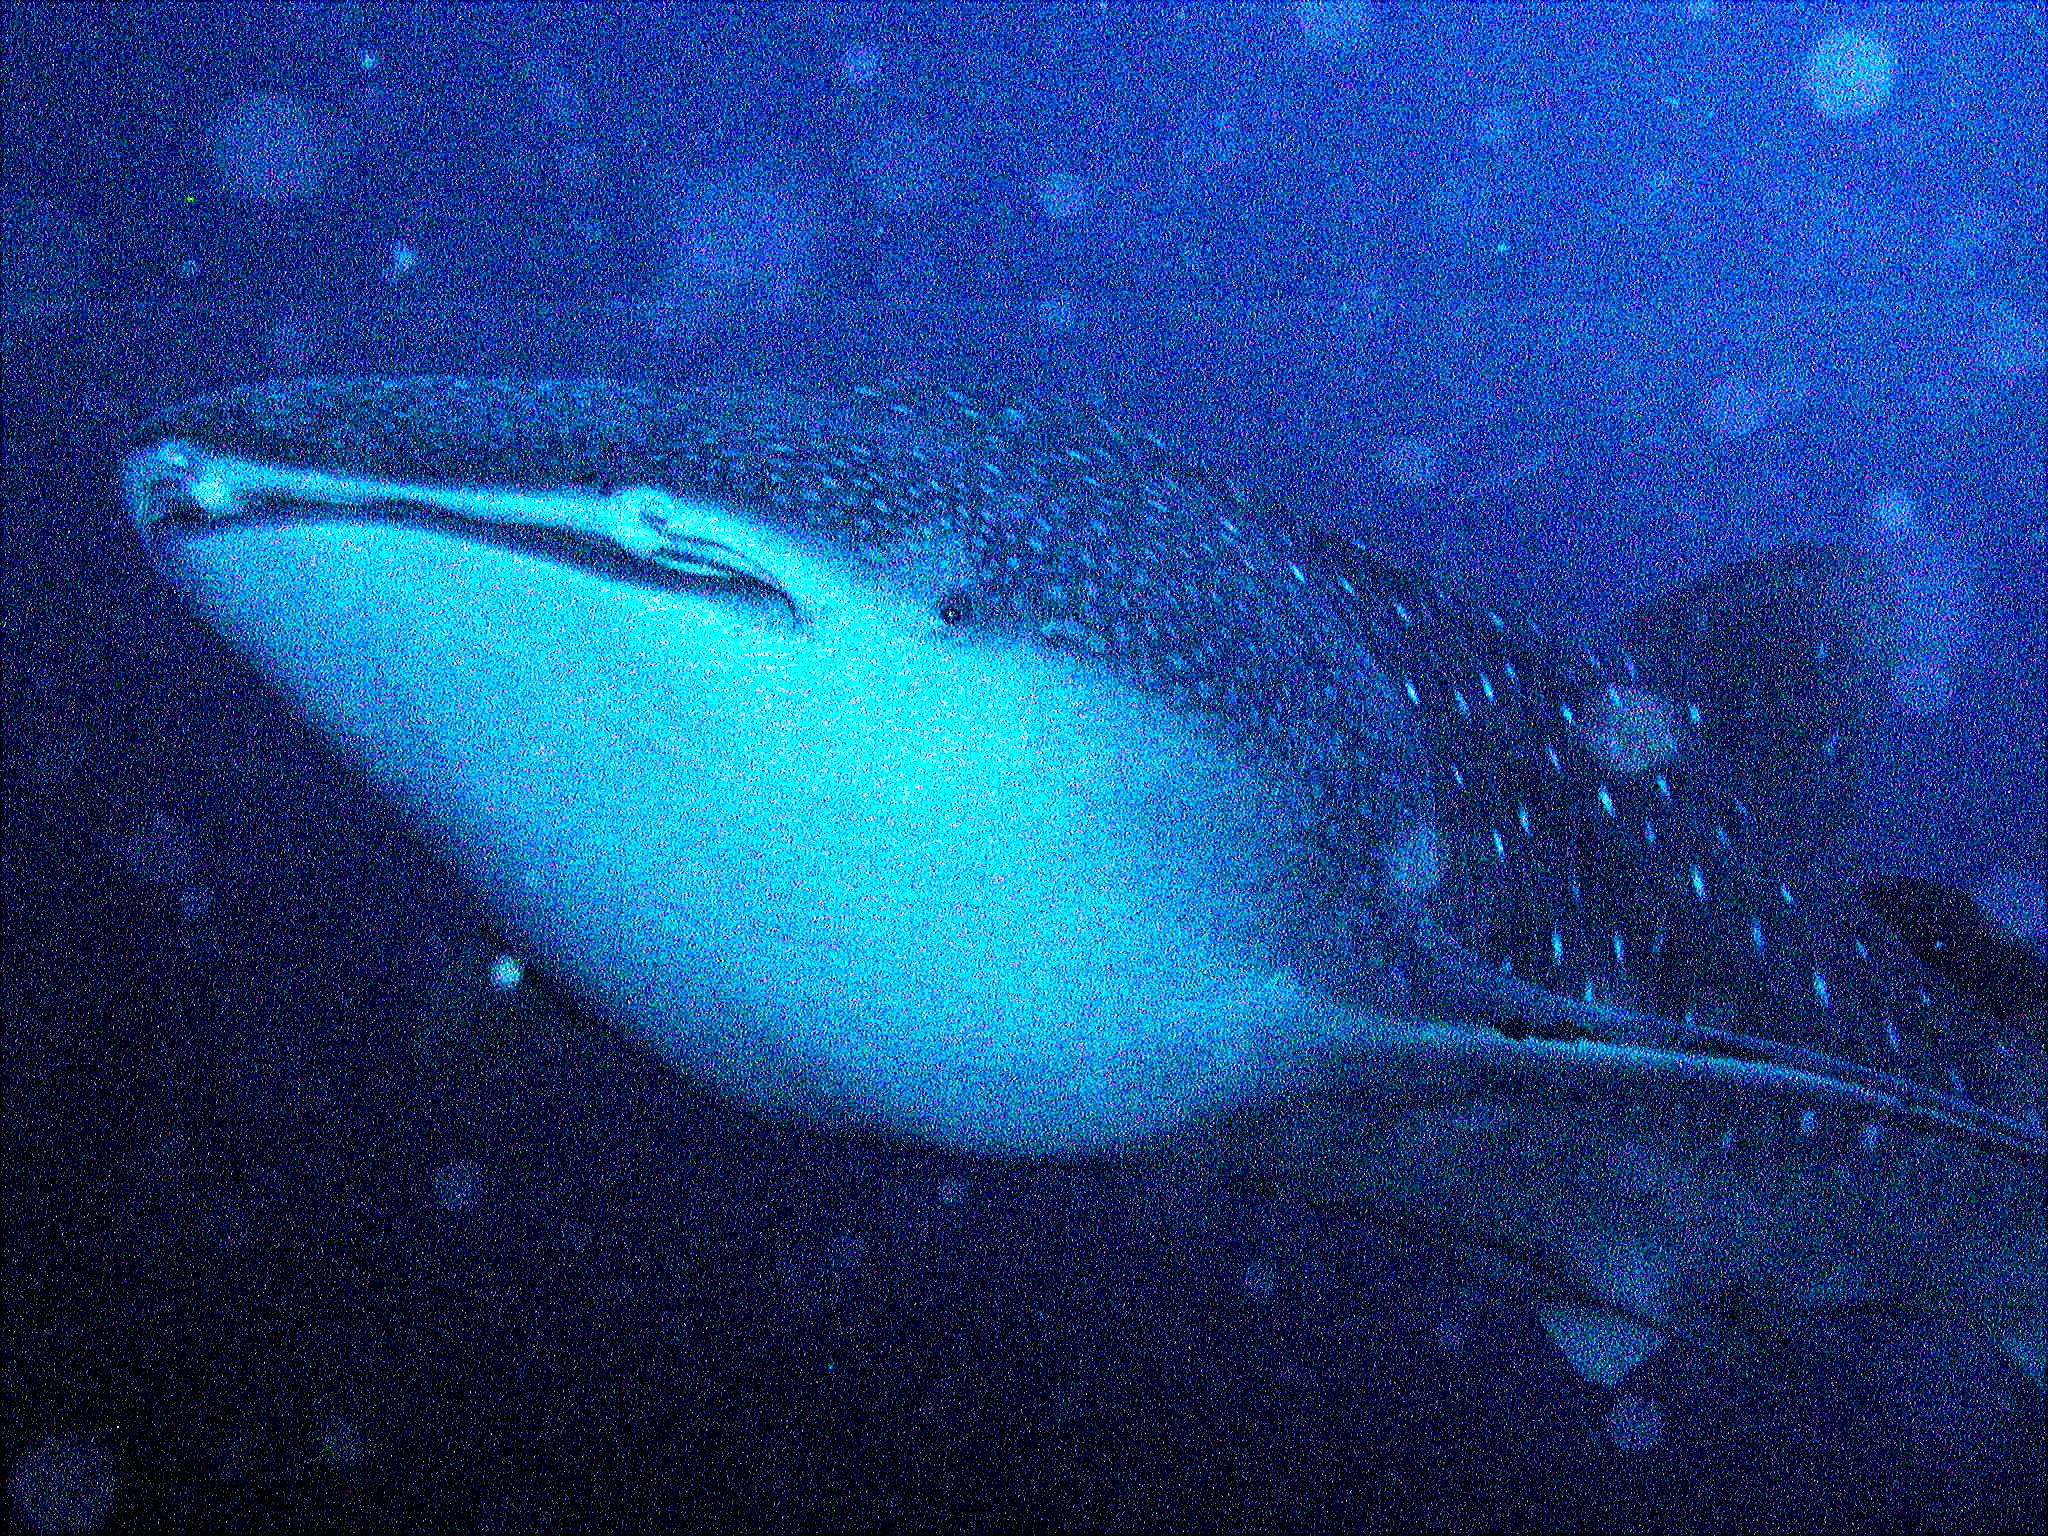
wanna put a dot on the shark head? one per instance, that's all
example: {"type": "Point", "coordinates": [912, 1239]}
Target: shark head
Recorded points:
{"type": "Point", "coordinates": [994, 777]}
{"type": "Point", "coordinates": [884, 758]}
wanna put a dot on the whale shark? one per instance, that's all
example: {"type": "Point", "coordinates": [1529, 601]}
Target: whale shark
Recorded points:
{"type": "Point", "coordinates": [990, 775]}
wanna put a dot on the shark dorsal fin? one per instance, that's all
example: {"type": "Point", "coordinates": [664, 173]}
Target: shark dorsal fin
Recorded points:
{"type": "Point", "coordinates": [1788, 655]}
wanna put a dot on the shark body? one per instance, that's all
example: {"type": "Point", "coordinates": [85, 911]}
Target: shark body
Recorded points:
{"type": "Point", "coordinates": [992, 776]}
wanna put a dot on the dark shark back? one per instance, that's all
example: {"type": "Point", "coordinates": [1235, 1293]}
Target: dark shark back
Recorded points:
{"type": "Point", "coordinates": [1640, 824]}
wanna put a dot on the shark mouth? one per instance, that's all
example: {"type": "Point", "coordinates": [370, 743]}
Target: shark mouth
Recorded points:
{"type": "Point", "coordinates": [178, 492]}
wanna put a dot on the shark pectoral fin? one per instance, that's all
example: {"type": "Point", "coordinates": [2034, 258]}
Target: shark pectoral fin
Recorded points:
{"type": "Point", "coordinates": [1601, 1346]}
{"type": "Point", "coordinates": [1538, 1034]}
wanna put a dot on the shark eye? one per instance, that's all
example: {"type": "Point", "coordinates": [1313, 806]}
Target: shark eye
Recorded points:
{"type": "Point", "coordinates": [955, 608]}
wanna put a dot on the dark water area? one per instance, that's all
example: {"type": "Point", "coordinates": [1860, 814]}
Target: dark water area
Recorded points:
{"type": "Point", "coordinates": [307, 1223]}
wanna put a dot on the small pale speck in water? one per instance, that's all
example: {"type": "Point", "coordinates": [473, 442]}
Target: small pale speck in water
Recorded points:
{"type": "Point", "coordinates": [458, 1185]}
{"type": "Point", "coordinates": [1635, 1423]}
{"type": "Point", "coordinates": [64, 1483]}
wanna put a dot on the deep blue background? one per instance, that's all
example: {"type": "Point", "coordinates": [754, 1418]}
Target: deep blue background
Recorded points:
{"type": "Point", "coordinates": [1478, 279]}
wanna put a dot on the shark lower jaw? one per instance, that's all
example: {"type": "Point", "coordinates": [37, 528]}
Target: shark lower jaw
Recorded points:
{"type": "Point", "coordinates": [840, 872]}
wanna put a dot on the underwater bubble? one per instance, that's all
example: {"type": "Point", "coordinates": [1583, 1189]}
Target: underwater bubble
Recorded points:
{"type": "Point", "coordinates": [859, 66]}
{"type": "Point", "coordinates": [1062, 195]}
{"type": "Point", "coordinates": [1056, 312]}
{"type": "Point", "coordinates": [1635, 1423]}
{"type": "Point", "coordinates": [1850, 74]}
{"type": "Point", "coordinates": [272, 148]}
{"type": "Point", "coordinates": [2015, 899]}
{"type": "Point", "coordinates": [1337, 26]}
{"type": "Point", "coordinates": [162, 851]}
{"type": "Point", "coordinates": [338, 1441]}
{"type": "Point", "coordinates": [46, 260]}
{"type": "Point", "coordinates": [2005, 340]}
{"type": "Point", "coordinates": [1411, 461]}
{"type": "Point", "coordinates": [65, 1483]}
{"type": "Point", "coordinates": [845, 1252]}
{"type": "Point", "coordinates": [458, 1185]}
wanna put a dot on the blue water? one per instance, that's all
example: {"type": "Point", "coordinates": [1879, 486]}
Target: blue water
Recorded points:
{"type": "Point", "coordinates": [305, 1224]}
